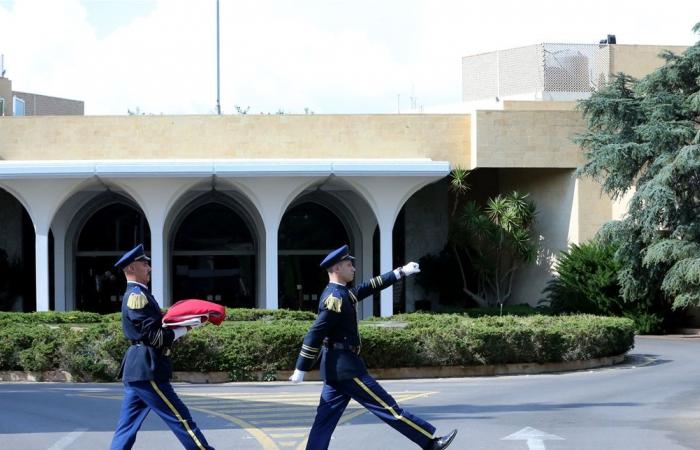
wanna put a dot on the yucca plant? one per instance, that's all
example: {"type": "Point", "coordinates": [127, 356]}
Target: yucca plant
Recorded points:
{"type": "Point", "coordinates": [497, 240]}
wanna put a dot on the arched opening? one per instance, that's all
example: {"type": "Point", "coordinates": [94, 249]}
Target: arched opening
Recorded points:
{"type": "Point", "coordinates": [17, 256]}
{"type": "Point", "coordinates": [213, 255]}
{"type": "Point", "coordinates": [105, 236]}
{"type": "Point", "coordinates": [307, 233]}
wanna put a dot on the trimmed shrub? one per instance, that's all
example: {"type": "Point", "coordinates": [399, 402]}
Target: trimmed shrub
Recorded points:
{"type": "Point", "coordinates": [30, 348]}
{"type": "Point", "coordinates": [244, 348]}
{"type": "Point", "coordinates": [54, 317]}
{"type": "Point", "coordinates": [250, 314]}
{"type": "Point", "coordinates": [94, 352]}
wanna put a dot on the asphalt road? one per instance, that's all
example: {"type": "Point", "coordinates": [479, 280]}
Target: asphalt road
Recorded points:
{"type": "Point", "coordinates": [652, 401]}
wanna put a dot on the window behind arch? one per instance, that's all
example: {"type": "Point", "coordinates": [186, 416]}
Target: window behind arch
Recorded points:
{"type": "Point", "coordinates": [105, 237]}
{"type": "Point", "coordinates": [307, 233]}
{"type": "Point", "coordinates": [214, 257]}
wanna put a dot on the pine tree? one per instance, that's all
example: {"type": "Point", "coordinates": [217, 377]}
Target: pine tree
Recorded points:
{"type": "Point", "coordinates": [643, 136]}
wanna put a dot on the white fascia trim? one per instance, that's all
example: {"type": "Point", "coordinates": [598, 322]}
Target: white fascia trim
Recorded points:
{"type": "Point", "coordinates": [397, 167]}
{"type": "Point", "coordinates": [44, 169]}
{"type": "Point", "coordinates": [231, 167]}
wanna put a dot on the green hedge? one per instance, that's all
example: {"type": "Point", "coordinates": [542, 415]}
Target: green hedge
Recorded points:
{"type": "Point", "coordinates": [243, 348]}
{"type": "Point", "coordinates": [56, 317]}
{"type": "Point", "coordinates": [81, 317]}
{"type": "Point", "coordinates": [248, 314]}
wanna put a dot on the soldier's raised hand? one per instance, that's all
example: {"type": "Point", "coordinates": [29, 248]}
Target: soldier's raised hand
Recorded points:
{"type": "Point", "coordinates": [410, 269]}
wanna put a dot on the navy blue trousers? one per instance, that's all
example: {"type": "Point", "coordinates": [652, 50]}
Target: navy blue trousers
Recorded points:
{"type": "Point", "coordinates": [366, 391]}
{"type": "Point", "coordinates": [140, 397]}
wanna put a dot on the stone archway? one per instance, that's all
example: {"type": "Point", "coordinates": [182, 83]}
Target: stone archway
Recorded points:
{"type": "Point", "coordinates": [214, 252]}
{"type": "Point", "coordinates": [307, 232]}
{"type": "Point", "coordinates": [112, 226]}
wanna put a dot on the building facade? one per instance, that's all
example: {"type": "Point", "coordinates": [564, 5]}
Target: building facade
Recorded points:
{"type": "Point", "coordinates": [240, 209]}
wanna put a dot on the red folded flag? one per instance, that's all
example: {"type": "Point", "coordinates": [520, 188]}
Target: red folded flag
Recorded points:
{"type": "Point", "coordinates": [185, 310]}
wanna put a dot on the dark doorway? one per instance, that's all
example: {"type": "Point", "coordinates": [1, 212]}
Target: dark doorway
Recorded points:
{"type": "Point", "coordinates": [107, 234]}
{"type": "Point", "coordinates": [307, 233]}
{"type": "Point", "coordinates": [17, 256]}
{"type": "Point", "coordinates": [214, 257]}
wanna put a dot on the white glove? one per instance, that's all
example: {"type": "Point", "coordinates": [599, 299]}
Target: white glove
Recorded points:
{"type": "Point", "coordinates": [179, 332]}
{"type": "Point", "coordinates": [297, 377]}
{"type": "Point", "coordinates": [410, 269]}
{"type": "Point", "coordinates": [407, 270]}
{"type": "Point", "coordinates": [195, 324]}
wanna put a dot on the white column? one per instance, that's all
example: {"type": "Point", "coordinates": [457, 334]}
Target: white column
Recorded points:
{"type": "Point", "coordinates": [158, 265]}
{"type": "Point", "coordinates": [386, 252]}
{"type": "Point", "coordinates": [272, 196]}
{"type": "Point", "coordinates": [59, 258]}
{"type": "Point", "coordinates": [271, 282]}
{"type": "Point", "coordinates": [42, 270]}
{"type": "Point", "coordinates": [367, 264]}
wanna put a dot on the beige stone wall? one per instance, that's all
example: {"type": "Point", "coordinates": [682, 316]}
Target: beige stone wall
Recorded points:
{"type": "Point", "coordinates": [570, 211]}
{"type": "Point", "coordinates": [639, 60]}
{"type": "Point", "coordinates": [439, 137]}
{"type": "Point", "coordinates": [553, 191]}
{"type": "Point", "coordinates": [537, 105]}
{"type": "Point", "coordinates": [525, 139]}
{"type": "Point", "coordinates": [594, 209]}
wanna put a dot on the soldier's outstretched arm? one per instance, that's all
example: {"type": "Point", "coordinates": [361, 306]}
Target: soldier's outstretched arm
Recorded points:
{"type": "Point", "coordinates": [385, 280]}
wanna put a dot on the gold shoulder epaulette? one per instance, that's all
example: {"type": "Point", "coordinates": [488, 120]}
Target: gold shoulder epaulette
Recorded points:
{"type": "Point", "coordinates": [136, 301]}
{"type": "Point", "coordinates": [333, 303]}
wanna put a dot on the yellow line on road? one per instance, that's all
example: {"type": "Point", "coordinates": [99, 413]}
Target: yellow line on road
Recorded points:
{"type": "Point", "coordinates": [258, 434]}
{"type": "Point", "coordinates": [208, 404]}
{"type": "Point", "coordinates": [286, 435]}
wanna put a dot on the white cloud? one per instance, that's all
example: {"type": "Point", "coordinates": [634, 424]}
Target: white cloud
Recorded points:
{"type": "Point", "coordinates": [330, 56]}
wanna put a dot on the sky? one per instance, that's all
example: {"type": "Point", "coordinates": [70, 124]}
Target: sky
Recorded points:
{"type": "Point", "coordinates": [324, 56]}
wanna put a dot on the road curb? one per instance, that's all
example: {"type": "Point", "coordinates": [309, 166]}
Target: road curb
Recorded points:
{"type": "Point", "coordinates": [382, 374]}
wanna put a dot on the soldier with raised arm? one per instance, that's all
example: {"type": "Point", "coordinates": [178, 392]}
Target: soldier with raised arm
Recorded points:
{"type": "Point", "coordinates": [334, 337]}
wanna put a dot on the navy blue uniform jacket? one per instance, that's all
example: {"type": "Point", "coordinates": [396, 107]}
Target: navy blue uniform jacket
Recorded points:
{"type": "Point", "coordinates": [336, 324]}
{"type": "Point", "coordinates": [146, 358]}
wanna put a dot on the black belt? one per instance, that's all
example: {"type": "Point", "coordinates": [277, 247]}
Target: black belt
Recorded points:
{"type": "Point", "coordinates": [343, 346]}
{"type": "Point", "coordinates": [165, 351]}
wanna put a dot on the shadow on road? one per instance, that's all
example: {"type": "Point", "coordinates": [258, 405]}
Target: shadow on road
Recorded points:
{"type": "Point", "coordinates": [634, 360]}
{"type": "Point", "coordinates": [473, 411]}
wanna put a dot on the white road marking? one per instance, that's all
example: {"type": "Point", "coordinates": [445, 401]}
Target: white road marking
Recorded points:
{"type": "Point", "coordinates": [68, 439]}
{"type": "Point", "coordinates": [534, 437]}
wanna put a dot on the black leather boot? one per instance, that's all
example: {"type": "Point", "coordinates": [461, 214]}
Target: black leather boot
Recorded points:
{"type": "Point", "coordinates": [443, 442]}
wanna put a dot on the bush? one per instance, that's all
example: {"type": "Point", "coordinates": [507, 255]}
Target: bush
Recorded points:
{"type": "Point", "coordinates": [244, 348]}
{"type": "Point", "coordinates": [586, 281]}
{"type": "Point", "coordinates": [54, 317]}
{"type": "Point", "coordinates": [94, 352]}
{"type": "Point", "coordinates": [250, 314]}
{"type": "Point", "coordinates": [30, 348]}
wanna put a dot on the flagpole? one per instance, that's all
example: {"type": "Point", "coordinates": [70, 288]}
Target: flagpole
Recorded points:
{"type": "Point", "coordinates": [218, 67]}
